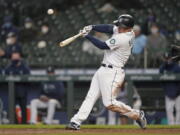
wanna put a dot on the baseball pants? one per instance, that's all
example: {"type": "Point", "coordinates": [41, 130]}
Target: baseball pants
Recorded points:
{"type": "Point", "coordinates": [170, 105]}
{"type": "Point", "coordinates": [38, 104]}
{"type": "Point", "coordinates": [106, 83]}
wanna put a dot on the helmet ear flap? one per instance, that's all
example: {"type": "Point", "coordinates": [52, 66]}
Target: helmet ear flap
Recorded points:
{"type": "Point", "coordinates": [116, 22]}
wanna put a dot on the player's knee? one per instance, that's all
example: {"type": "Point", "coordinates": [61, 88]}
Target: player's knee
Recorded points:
{"type": "Point", "coordinates": [111, 107]}
{"type": "Point", "coordinates": [108, 105]}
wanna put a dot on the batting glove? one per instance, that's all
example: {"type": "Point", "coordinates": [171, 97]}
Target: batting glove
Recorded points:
{"type": "Point", "coordinates": [84, 32]}
{"type": "Point", "coordinates": [88, 28]}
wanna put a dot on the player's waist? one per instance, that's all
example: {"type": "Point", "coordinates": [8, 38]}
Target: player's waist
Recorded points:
{"type": "Point", "coordinates": [111, 66]}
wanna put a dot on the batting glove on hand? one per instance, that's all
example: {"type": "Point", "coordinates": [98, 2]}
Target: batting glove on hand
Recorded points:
{"type": "Point", "coordinates": [88, 28]}
{"type": "Point", "coordinates": [84, 32]}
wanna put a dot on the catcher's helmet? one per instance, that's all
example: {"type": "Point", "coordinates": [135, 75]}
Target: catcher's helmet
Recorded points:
{"type": "Point", "coordinates": [125, 21]}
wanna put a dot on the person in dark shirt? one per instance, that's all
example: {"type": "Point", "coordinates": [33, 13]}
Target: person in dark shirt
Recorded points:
{"type": "Point", "coordinates": [28, 32]}
{"type": "Point", "coordinates": [172, 90]}
{"type": "Point", "coordinates": [7, 27]}
{"type": "Point", "coordinates": [50, 98]}
{"type": "Point", "coordinates": [18, 67]}
{"type": "Point", "coordinates": [12, 46]}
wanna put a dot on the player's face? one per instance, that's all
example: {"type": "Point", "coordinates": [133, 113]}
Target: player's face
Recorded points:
{"type": "Point", "coordinates": [122, 30]}
{"type": "Point", "coordinates": [15, 56]}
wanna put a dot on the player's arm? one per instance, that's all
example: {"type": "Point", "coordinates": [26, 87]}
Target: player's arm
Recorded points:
{"type": "Point", "coordinates": [104, 28]}
{"type": "Point", "coordinates": [99, 44]}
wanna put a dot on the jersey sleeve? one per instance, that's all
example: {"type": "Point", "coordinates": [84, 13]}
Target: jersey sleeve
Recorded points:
{"type": "Point", "coordinates": [115, 29]}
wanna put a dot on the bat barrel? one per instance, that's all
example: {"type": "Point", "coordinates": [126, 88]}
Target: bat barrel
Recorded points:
{"type": "Point", "coordinates": [69, 40]}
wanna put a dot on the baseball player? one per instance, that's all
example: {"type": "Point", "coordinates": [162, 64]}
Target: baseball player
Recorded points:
{"type": "Point", "coordinates": [108, 78]}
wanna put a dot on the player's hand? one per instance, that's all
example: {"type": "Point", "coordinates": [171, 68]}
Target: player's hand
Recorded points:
{"type": "Point", "coordinates": [88, 28]}
{"type": "Point", "coordinates": [84, 32]}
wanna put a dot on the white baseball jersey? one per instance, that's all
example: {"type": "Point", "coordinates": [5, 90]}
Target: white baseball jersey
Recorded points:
{"type": "Point", "coordinates": [120, 45]}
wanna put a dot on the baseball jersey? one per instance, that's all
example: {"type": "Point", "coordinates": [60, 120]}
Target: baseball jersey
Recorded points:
{"type": "Point", "coordinates": [120, 45]}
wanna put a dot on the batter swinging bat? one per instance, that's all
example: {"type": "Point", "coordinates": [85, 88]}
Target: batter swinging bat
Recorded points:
{"type": "Point", "coordinates": [69, 40]}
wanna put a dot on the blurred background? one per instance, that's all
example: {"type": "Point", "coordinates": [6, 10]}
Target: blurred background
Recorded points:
{"type": "Point", "coordinates": [43, 83]}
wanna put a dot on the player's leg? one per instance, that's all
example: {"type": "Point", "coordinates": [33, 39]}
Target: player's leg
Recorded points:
{"type": "Point", "coordinates": [169, 110]}
{"type": "Point", "coordinates": [111, 118]}
{"type": "Point", "coordinates": [51, 107]}
{"type": "Point", "coordinates": [86, 107]}
{"type": "Point", "coordinates": [22, 104]}
{"type": "Point", "coordinates": [110, 83]}
{"type": "Point", "coordinates": [35, 104]}
{"type": "Point", "coordinates": [177, 105]}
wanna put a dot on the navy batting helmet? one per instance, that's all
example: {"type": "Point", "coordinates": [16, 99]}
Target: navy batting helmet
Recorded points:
{"type": "Point", "coordinates": [125, 21]}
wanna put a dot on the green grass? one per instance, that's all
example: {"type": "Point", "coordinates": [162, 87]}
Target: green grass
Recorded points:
{"type": "Point", "coordinates": [90, 126]}
{"type": "Point", "coordinates": [94, 132]}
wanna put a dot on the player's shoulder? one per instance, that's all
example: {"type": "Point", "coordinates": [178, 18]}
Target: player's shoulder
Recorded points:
{"type": "Point", "coordinates": [130, 34]}
{"type": "Point", "coordinates": [124, 36]}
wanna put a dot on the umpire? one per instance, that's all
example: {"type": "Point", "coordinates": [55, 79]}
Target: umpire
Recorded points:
{"type": "Point", "coordinates": [18, 67]}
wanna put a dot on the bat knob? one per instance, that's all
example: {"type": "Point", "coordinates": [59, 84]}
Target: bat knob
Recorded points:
{"type": "Point", "coordinates": [61, 44]}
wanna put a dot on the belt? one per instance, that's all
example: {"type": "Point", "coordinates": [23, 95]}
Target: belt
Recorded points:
{"type": "Point", "coordinates": [109, 66]}
{"type": "Point", "coordinates": [105, 65]}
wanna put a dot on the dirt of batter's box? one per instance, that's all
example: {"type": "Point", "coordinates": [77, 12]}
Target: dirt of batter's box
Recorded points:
{"type": "Point", "coordinates": [83, 131]}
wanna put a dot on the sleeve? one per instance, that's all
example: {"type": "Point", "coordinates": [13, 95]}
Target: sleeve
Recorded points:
{"type": "Point", "coordinates": [104, 28]}
{"type": "Point", "coordinates": [115, 41]}
{"type": "Point", "coordinates": [115, 30]}
{"type": "Point", "coordinates": [144, 41]}
{"type": "Point", "coordinates": [97, 42]}
{"type": "Point", "coordinates": [161, 69]}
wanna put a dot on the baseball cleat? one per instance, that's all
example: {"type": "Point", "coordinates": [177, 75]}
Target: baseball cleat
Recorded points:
{"type": "Point", "coordinates": [72, 126]}
{"type": "Point", "coordinates": [142, 120]}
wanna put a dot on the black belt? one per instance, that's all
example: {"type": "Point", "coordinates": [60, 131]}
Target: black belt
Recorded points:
{"type": "Point", "coordinates": [105, 65]}
{"type": "Point", "coordinates": [109, 66]}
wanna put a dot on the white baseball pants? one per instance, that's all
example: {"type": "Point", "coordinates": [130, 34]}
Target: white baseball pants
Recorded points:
{"type": "Point", "coordinates": [170, 104]}
{"type": "Point", "coordinates": [106, 82]}
{"type": "Point", "coordinates": [50, 105]}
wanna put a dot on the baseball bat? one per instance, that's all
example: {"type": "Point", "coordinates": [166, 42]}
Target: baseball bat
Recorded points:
{"type": "Point", "coordinates": [69, 40]}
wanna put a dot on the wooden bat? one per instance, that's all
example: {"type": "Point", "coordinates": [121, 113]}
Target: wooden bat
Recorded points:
{"type": "Point", "coordinates": [69, 40]}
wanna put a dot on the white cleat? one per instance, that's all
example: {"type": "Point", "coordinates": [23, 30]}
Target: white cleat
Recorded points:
{"type": "Point", "coordinates": [142, 120]}
{"type": "Point", "coordinates": [72, 126]}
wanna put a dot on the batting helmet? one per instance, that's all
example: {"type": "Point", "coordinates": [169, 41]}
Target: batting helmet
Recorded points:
{"type": "Point", "coordinates": [125, 21]}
